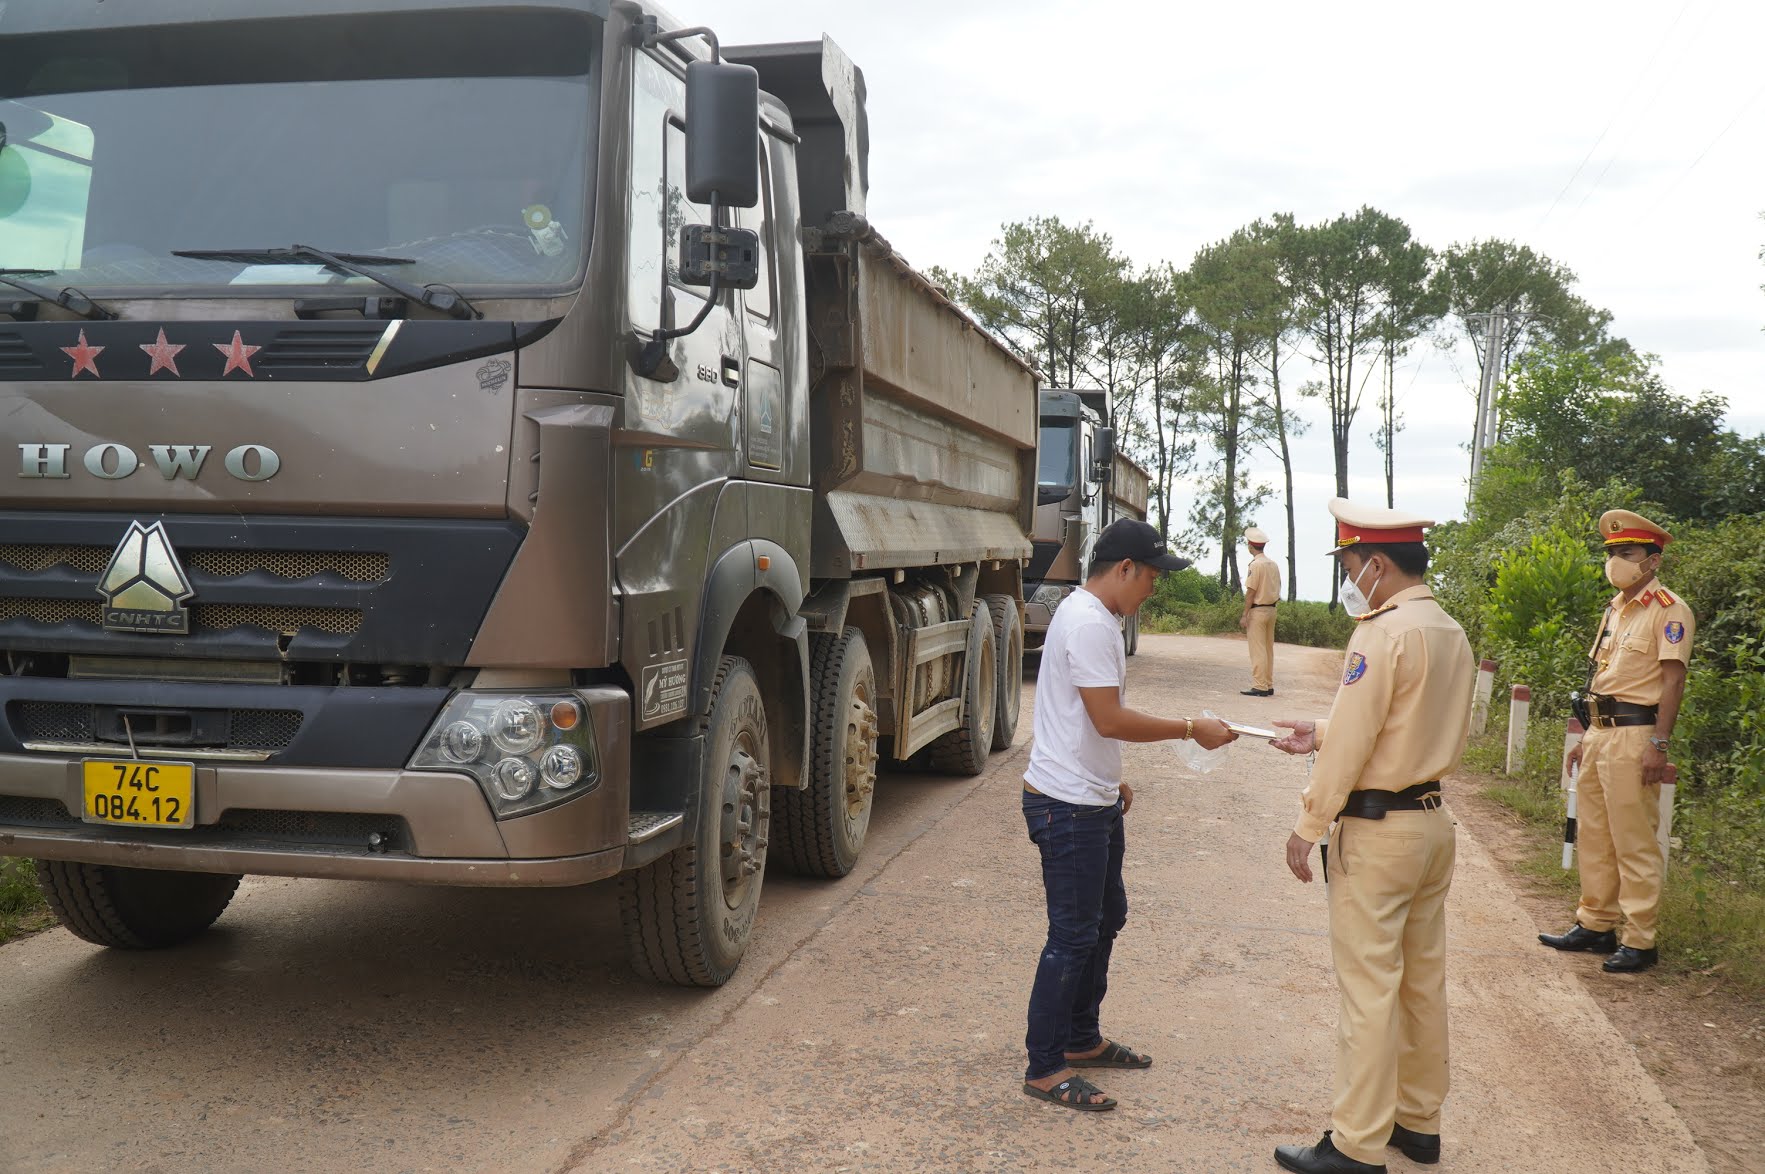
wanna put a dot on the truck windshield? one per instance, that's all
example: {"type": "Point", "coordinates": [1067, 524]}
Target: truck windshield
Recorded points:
{"type": "Point", "coordinates": [1055, 463]}
{"type": "Point", "coordinates": [463, 144]}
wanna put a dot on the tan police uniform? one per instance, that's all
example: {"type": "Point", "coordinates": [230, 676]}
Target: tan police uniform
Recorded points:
{"type": "Point", "coordinates": [1262, 590]}
{"type": "Point", "coordinates": [1400, 718]}
{"type": "Point", "coordinates": [1618, 813]}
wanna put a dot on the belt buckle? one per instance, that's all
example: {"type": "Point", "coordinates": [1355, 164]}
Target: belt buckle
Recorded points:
{"type": "Point", "coordinates": [1593, 710]}
{"type": "Point", "coordinates": [1431, 801]}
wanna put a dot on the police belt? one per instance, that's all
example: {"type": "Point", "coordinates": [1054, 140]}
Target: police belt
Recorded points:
{"type": "Point", "coordinates": [1608, 712]}
{"type": "Point", "coordinates": [1374, 804]}
{"type": "Point", "coordinates": [1254, 605]}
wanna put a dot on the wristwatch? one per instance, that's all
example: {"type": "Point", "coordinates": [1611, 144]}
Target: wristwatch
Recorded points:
{"type": "Point", "coordinates": [1659, 744]}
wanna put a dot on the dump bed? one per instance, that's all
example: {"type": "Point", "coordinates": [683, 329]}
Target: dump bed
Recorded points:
{"type": "Point", "coordinates": [1130, 488]}
{"type": "Point", "coordinates": [924, 426]}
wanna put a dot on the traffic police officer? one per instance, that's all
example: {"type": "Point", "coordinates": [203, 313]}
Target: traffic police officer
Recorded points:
{"type": "Point", "coordinates": [1635, 683]}
{"type": "Point", "coordinates": [1398, 724]}
{"type": "Point", "coordinates": [1262, 590]}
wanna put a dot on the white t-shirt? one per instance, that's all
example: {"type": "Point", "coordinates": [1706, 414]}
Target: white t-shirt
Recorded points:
{"type": "Point", "coordinates": [1069, 759]}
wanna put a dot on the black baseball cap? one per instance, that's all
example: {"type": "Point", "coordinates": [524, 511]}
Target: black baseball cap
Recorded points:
{"type": "Point", "coordinates": [1130, 538]}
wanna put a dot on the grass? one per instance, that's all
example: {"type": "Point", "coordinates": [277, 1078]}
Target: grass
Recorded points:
{"type": "Point", "coordinates": [1712, 921]}
{"type": "Point", "coordinates": [1305, 622]}
{"type": "Point", "coordinates": [22, 908]}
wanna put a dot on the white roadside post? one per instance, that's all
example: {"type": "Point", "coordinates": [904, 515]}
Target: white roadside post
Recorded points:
{"type": "Point", "coordinates": [1571, 738]}
{"type": "Point", "coordinates": [1518, 711]}
{"type": "Point", "coordinates": [1669, 786]}
{"type": "Point", "coordinates": [1480, 698]}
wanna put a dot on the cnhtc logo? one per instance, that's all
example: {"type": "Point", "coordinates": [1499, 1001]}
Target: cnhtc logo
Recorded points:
{"type": "Point", "coordinates": [144, 587]}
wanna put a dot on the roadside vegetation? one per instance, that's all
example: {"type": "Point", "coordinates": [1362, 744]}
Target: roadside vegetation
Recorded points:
{"type": "Point", "coordinates": [1195, 604]}
{"type": "Point", "coordinates": [1581, 436]}
{"type": "Point", "coordinates": [22, 909]}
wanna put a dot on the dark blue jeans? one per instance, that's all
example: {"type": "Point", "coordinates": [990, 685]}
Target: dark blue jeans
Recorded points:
{"type": "Point", "coordinates": [1087, 906]}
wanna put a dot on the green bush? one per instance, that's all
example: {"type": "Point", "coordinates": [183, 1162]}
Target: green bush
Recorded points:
{"type": "Point", "coordinates": [1313, 624]}
{"type": "Point", "coordinates": [1545, 600]}
{"type": "Point", "coordinates": [1188, 586]}
{"type": "Point", "coordinates": [22, 908]}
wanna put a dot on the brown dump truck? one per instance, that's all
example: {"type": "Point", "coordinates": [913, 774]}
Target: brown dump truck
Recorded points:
{"type": "Point", "coordinates": [1084, 482]}
{"type": "Point", "coordinates": [476, 442]}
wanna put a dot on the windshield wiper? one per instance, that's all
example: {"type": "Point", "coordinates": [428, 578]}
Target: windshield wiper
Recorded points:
{"type": "Point", "coordinates": [436, 297]}
{"type": "Point", "coordinates": [69, 299]}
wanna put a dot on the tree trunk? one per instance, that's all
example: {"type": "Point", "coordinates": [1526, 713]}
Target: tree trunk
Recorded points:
{"type": "Point", "coordinates": [1286, 470]}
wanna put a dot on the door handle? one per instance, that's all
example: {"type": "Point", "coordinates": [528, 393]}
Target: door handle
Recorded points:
{"type": "Point", "coordinates": [732, 371]}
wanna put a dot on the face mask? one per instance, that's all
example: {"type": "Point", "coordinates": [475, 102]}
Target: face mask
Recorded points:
{"type": "Point", "coordinates": [1622, 573]}
{"type": "Point", "coordinates": [1352, 599]}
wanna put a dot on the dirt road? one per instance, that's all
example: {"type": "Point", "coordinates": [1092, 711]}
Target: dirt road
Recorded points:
{"type": "Point", "coordinates": [876, 1024]}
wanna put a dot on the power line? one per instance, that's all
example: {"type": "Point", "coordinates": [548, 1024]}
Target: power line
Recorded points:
{"type": "Point", "coordinates": [1708, 147]}
{"type": "Point", "coordinates": [1613, 120]}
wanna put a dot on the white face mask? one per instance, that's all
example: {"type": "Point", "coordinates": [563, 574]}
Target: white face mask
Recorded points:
{"type": "Point", "coordinates": [1352, 599]}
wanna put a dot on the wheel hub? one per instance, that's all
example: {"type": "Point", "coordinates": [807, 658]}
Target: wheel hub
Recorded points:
{"type": "Point", "coordinates": [746, 812]}
{"type": "Point", "coordinates": [862, 729]}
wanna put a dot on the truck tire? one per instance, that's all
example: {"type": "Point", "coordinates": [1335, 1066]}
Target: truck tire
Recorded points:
{"type": "Point", "coordinates": [133, 908]}
{"type": "Point", "coordinates": [821, 828]}
{"type": "Point", "coordinates": [964, 750]}
{"type": "Point", "coordinates": [1008, 648]}
{"type": "Point", "coordinates": [688, 916]}
{"type": "Point", "coordinates": [1131, 635]}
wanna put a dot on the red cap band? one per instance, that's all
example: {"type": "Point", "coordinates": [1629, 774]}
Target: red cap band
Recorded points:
{"type": "Point", "coordinates": [1347, 535]}
{"type": "Point", "coordinates": [1628, 536]}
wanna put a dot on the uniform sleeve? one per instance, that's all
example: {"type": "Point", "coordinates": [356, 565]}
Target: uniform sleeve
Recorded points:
{"type": "Point", "coordinates": [1676, 626]}
{"type": "Point", "coordinates": [1358, 715]}
{"type": "Point", "coordinates": [1091, 657]}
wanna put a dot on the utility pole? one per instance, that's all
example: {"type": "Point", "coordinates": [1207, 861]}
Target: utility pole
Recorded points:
{"type": "Point", "coordinates": [1483, 435]}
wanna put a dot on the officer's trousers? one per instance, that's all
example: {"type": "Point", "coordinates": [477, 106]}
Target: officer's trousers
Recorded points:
{"type": "Point", "coordinates": [1262, 647]}
{"type": "Point", "coordinates": [1618, 818]}
{"type": "Point", "coordinates": [1388, 884]}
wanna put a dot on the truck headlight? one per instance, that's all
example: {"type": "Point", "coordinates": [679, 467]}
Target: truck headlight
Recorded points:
{"type": "Point", "coordinates": [1049, 595]}
{"type": "Point", "coordinates": [527, 752]}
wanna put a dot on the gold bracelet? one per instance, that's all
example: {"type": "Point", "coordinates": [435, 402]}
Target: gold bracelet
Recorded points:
{"type": "Point", "coordinates": [1189, 728]}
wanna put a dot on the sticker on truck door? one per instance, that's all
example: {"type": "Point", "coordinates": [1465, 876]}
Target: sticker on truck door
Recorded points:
{"type": "Point", "coordinates": [663, 692]}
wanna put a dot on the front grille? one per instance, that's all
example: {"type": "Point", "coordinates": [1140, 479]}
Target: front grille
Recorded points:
{"type": "Point", "coordinates": [217, 617]}
{"type": "Point", "coordinates": [262, 729]}
{"type": "Point", "coordinates": [52, 721]}
{"type": "Point", "coordinates": [34, 812]}
{"type": "Point", "coordinates": [325, 829]}
{"type": "Point", "coordinates": [60, 721]}
{"type": "Point", "coordinates": [293, 565]}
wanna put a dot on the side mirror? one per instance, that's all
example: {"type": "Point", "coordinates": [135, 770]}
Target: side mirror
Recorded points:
{"type": "Point", "coordinates": [1105, 448]}
{"type": "Point", "coordinates": [723, 134]}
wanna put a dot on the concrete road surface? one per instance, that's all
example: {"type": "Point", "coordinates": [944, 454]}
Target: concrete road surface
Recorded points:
{"type": "Point", "coordinates": [876, 1024]}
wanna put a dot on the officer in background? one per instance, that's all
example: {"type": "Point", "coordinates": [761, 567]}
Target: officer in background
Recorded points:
{"type": "Point", "coordinates": [1262, 590]}
{"type": "Point", "coordinates": [1636, 681]}
{"type": "Point", "coordinates": [1398, 724]}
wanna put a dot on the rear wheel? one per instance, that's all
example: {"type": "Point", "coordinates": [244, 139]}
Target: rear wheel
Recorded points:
{"type": "Point", "coordinates": [1131, 635]}
{"type": "Point", "coordinates": [133, 908]}
{"type": "Point", "coordinates": [688, 916]}
{"type": "Point", "coordinates": [964, 750]}
{"type": "Point", "coordinates": [1008, 650]}
{"type": "Point", "coordinates": [821, 828]}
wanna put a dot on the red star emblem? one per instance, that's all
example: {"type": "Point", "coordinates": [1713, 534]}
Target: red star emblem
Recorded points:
{"type": "Point", "coordinates": [238, 356]}
{"type": "Point", "coordinates": [164, 355]}
{"type": "Point", "coordinates": [85, 357]}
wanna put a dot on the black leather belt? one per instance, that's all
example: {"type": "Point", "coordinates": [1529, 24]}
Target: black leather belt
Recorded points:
{"type": "Point", "coordinates": [1256, 605]}
{"type": "Point", "coordinates": [1374, 804]}
{"type": "Point", "coordinates": [1609, 712]}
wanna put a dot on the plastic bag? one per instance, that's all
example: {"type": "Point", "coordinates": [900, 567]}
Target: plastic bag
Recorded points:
{"type": "Point", "coordinates": [1196, 757]}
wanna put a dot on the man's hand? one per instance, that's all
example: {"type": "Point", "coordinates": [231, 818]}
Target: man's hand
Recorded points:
{"type": "Point", "coordinates": [1127, 797]}
{"type": "Point", "coordinates": [1244, 622]}
{"type": "Point", "coordinates": [1654, 766]}
{"type": "Point", "coordinates": [1299, 856]}
{"type": "Point", "coordinates": [1212, 733]}
{"type": "Point", "coordinates": [1575, 758]}
{"type": "Point", "coordinates": [1303, 740]}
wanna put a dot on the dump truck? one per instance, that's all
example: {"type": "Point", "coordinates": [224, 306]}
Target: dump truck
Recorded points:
{"type": "Point", "coordinates": [475, 442]}
{"type": "Point", "coordinates": [1083, 483]}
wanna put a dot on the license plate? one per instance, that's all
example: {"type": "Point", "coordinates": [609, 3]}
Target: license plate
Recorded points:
{"type": "Point", "coordinates": [140, 794]}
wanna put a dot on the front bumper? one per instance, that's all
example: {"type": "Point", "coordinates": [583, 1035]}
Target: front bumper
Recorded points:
{"type": "Point", "coordinates": [430, 827]}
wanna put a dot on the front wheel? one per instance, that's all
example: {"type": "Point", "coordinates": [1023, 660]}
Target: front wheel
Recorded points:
{"type": "Point", "coordinates": [688, 916]}
{"type": "Point", "coordinates": [1008, 650]}
{"type": "Point", "coordinates": [133, 908]}
{"type": "Point", "coordinates": [821, 828]}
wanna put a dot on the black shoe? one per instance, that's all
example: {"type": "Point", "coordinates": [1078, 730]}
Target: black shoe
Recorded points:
{"type": "Point", "coordinates": [1417, 1147]}
{"type": "Point", "coordinates": [1256, 692]}
{"type": "Point", "coordinates": [1582, 939]}
{"type": "Point", "coordinates": [1629, 960]}
{"type": "Point", "coordinates": [1322, 1158]}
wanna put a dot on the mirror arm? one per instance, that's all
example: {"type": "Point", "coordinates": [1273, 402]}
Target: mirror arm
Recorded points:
{"type": "Point", "coordinates": [654, 351]}
{"type": "Point", "coordinates": [653, 37]}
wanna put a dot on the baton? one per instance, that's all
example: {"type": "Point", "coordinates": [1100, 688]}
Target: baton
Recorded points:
{"type": "Point", "coordinates": [1569, 823]}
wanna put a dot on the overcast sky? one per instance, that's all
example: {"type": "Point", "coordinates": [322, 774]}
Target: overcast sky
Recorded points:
{"type": "Point", "coordinates": [1623, 140]}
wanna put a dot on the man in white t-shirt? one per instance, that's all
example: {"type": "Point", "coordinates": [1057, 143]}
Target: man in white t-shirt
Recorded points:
{"type": "Point", "coordinates": [1073, 802]}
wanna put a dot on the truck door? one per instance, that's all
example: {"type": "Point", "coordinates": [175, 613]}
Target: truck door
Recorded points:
{"type": "Point", "coordinates": [766, 420]}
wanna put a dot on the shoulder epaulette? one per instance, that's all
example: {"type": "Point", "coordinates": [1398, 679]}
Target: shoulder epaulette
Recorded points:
{"type": "Point", "coordinates": [1376, 612]}
{"type": "Point", "coordinates": [1663, 598]}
